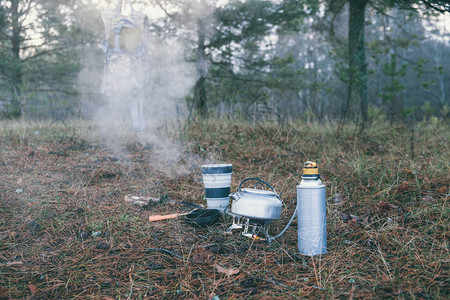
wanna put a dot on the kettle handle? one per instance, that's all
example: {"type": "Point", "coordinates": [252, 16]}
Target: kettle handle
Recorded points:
{"type": "Point", "coordinates": [257, 179]}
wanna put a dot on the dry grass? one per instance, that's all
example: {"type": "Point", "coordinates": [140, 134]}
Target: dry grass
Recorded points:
{"type": "Point", "coordinates": [66, 232]}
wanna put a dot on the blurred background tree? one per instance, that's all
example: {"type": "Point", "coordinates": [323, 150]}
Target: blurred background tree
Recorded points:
{"type": "Point", "coordinates": [40, 48]}
{"type": "Point", "coordinates": [330, 60]}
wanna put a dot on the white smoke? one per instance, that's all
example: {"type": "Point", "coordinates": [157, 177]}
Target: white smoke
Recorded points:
{"type": "Point", "coordinates": [169, 78]}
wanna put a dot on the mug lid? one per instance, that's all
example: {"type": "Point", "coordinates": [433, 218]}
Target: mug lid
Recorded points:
{"type": "Point", "coordinates": [217, 168]}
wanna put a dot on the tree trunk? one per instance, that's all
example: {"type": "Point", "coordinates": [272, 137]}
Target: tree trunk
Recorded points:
{"type": "Point", "coordinates": [393, 110]}
{"type": "Point", "coordinates": [440, 75]}
{"type": "Point", "coordinates": [200, 90]}
{"type": "Point", "coordinates": [357, 56]}
{"type": "Point", "coordinates": [200, 96]}
{"type": "Point", "coordinates": [16, 76]}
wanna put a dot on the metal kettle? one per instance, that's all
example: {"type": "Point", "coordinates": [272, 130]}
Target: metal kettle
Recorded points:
{"type": "Point", "coordinates": [256, 203]}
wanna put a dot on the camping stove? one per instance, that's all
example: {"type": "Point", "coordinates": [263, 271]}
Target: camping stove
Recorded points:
{"type": "Point", "coordinates": [252, 227]}
{"type": "Point", "coordinates": [254, 209]}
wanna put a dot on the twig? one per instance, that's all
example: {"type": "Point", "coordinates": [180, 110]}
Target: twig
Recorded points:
{"type": "Point", "coordinates": [384, 261]}
{"type": "Point", "coordinates": [319, 288]}
{"type": "Point", "coordinates": [168, 252]}
{"type": "Point", "coordinates": [275, 282]}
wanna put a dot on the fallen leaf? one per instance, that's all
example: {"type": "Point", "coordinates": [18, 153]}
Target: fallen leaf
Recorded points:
{"type": "Point", "coordinates": [226, 271]}
{"type": "Point", "coordinates": [382, 206]}
{"type": "Point", "coordinates": [442, 189]}
{"type": "Point", "coordinates": [337, 199]}
{"type": "Point", "coordinates": [351, 220]}
{"type": "Point", "coordinates": [353, 223]}
{"type": "Point", "coordinates": [125, 246]}
{"type": "Point", "coordinates": [12, 264]}
{"type": "Point", "coordinates": [356, 218]}
{"type": "Point", "coordinates": [103, 245]}
{"type": "Point", "coordinates": [4, 292]}
{"type": "Point", "coordinates": [366, 220]}
{"type": "Point", "coordinates": [141, 201]}
{"type": "Point", "coordinates": [342, 215]}
{"type": "Point", "coordinates": [5, 234]}
{"type": "Point", "coordinates": [404, 187]}
{"type": "Point", "coordinates": [202, 256]}
{"type": "Point", "coordinates": [352, 291]}
{"type": "Point", "coordinates": [391, 224]}
{"type": "Point", "coordinates": [33, 288]}
{"type": "Point", "coordinates": [427, 200]}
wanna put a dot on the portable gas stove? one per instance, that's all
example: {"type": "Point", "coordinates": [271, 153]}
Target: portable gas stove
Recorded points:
{"type": "Point", "coordinates": [254, 209]}
{"type": "Point", "coordinates": [252, 227]}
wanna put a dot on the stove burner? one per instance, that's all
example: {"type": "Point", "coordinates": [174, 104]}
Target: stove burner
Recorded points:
{"type": "Point", "coordinates": [252, 227]}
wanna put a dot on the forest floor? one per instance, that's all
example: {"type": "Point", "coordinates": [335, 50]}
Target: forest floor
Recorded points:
{"type": "Point", "coordinates": [66, 231]}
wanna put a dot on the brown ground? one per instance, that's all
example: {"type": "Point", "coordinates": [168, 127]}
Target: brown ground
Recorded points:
{"type": "Point", "coordinates": [65, 231]}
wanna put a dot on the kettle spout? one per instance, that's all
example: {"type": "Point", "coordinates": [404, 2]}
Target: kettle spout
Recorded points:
{"type": "Point", "coordinates": [234, 196]}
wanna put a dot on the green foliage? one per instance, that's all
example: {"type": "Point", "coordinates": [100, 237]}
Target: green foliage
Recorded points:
{"type": "Point", "coordinates": [40, 78]}
{"type": "Point", "coordinates": [394, 87]}
{"type": "Point", "coordinates": [445, 110]}
{"type": "Point", "coordinates": [407, 112]}
{"type": "Point", "coordinates": [282, 52]}
{"type": "Point", "coordinates": [2, 17]}
{"type": "Point", "coordinates": [427, 109]}
{"type": "Point", "coordinates": [391, 71]}
{"type": "Point", "coordinates": [420, 67]}
{"type": "Point", "coordinates": [426, 84]}
{"type": "Point", "coordinates": [245, 61]}
{"type": "Point", "coordinates": [376, 115]}
{"type": "Point", "coordinates": [439, 69]}
{"type": "Point", "coordinates": [246, 22]}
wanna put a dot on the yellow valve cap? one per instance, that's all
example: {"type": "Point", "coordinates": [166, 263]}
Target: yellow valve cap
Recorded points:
{"type": "Point", "coordinates": [310, 168]}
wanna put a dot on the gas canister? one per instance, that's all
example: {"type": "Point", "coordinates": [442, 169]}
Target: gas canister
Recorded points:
{"type": "Point", "coordinates": [311, 212]}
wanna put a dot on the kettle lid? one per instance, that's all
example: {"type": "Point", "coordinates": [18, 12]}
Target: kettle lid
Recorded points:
{"type": "Point", "coordinates": [259, 192]}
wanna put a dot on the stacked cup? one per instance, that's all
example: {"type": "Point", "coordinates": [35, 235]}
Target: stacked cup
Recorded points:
{"type": "Point", "coordinates": [217, 180]}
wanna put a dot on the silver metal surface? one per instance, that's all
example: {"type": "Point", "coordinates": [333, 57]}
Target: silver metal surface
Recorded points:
{"type": "Point", "coordinates": [251, 227]}
{"type": "Point", "coordinates": [256, 204]}
{"type": "Point", "coordinates": [311, 211]}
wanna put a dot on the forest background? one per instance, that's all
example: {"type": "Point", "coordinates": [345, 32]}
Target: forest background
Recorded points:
{"type": "Point", "coordinates": [335, 60]}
